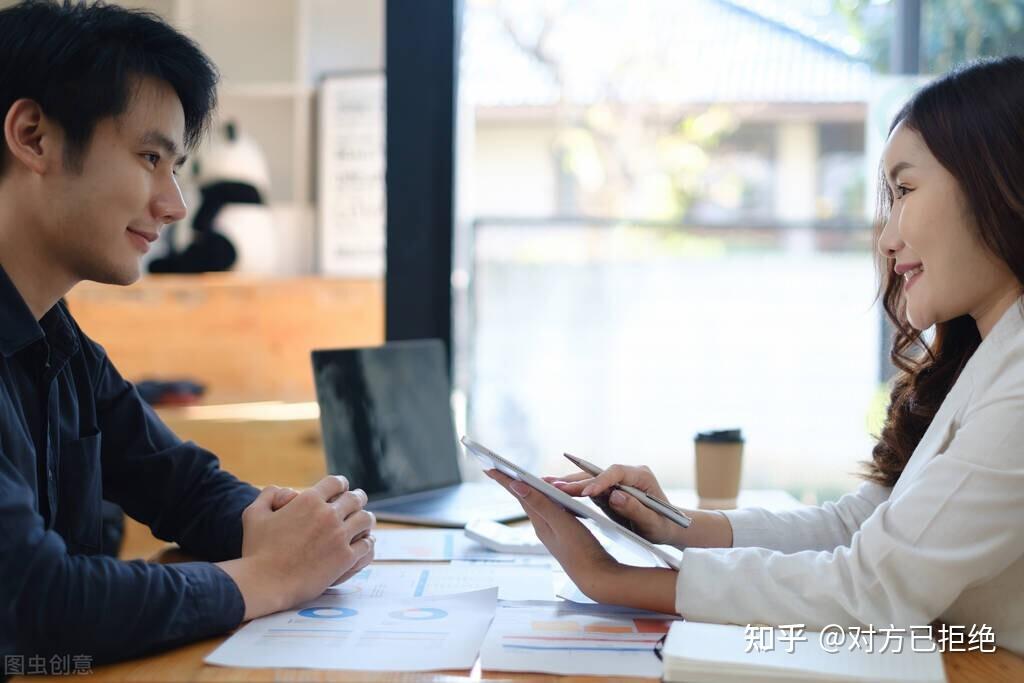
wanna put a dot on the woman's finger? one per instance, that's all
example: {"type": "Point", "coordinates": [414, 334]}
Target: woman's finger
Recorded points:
{"type": "Point", "coordinates": [573, 477]}
{"type": "Point", "coordinates": [616, 474]}
{"type": "Point", "coordinates": [540, 525]}
{"type": "Point", "coordinates": [573, 488]}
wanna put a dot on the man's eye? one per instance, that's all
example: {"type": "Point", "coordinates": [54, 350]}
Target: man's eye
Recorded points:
{"type": "Point", "coordinates": [152, 158]}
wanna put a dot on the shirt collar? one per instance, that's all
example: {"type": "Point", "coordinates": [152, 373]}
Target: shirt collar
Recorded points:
{"type": "Point", "coordinates": [1006, 329]}
{"type": "Point", "coordinates": [19, 328]}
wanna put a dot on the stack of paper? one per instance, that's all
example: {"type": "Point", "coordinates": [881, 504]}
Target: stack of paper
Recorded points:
{"type": "Point", "coordinates": [696, 651]}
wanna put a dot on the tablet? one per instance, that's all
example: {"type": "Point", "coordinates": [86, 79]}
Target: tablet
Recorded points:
{"type": "Point", "coordinates": [490, 460]}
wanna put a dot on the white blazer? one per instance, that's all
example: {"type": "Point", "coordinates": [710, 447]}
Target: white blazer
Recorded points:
{"type": "Point", "coordinates": [947, 541]}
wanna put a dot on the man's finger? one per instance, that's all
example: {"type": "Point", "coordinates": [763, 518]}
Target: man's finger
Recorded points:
{"type": "Point", "coordinates": [364, 546]}
{"type": "Point", "coordinates": [265, 499]}
{"type": "Point", "coordinates": [283, 497]}
{"type": "Point", "coordinates": [361, 564]}
{"type": "Point", "coordinates": [349, 502]}
{"type": "Point", "coordinates": [331, 486]}
{"type": "Point", "coordinates": [359, 524]}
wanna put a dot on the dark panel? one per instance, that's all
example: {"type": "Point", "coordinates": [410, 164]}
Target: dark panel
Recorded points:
{"type": "Point", "coordinates": [421, 57]}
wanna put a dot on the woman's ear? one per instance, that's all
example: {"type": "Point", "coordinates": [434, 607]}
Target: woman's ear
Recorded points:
{"type": "Point", "coordinates": [31, 138]}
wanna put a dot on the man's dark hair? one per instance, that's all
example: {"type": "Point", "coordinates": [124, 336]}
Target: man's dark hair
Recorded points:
{"type": "Point", "coordinates": [81, 62]}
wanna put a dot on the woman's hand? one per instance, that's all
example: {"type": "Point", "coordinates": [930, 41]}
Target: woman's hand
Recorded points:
{"type": "Point", "coordinates": [621, 506]}
{"type": "Point", "coordinates": [571, 543]}
{"type": "Point", "coordinates": [587, 563]}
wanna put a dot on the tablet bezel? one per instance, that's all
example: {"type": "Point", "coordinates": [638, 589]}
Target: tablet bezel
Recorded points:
{"type": "Point", "coordinates": [488, 459]}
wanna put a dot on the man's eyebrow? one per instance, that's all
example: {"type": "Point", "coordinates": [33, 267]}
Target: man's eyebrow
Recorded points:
{"type": "Point", "coordinates": [895, 170]}
{"type": "Point", "coordinates": [155, 137]}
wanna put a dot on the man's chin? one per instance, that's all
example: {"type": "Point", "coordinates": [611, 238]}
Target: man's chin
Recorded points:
{"type": "Point", "coordinates": [123, 275]}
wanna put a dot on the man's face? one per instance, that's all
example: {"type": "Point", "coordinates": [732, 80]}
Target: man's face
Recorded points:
{"type": "Point", "coordinates": [103, 218]}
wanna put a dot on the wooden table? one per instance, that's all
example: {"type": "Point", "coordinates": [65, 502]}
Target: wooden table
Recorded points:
{"type": "Point", "coordinates": [186, 663]}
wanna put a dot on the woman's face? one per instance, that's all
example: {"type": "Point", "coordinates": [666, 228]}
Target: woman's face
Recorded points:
{"type": "Point", "coordinates": [931, 240]}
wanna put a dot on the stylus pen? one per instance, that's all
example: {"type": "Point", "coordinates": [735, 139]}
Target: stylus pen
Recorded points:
{"type": "Point", "coordinates": [662, 507]}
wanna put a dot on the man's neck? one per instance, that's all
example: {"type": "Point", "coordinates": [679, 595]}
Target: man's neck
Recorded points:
{"type": "Point", "coordinates": [36, 274]}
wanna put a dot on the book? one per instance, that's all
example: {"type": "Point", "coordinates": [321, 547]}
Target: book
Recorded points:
{"type": "Point", "coordinates": [696, 651]}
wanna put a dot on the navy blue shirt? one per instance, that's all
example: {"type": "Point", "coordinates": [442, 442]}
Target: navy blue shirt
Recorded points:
{"type": "Point", "coordinates": [73, 432]}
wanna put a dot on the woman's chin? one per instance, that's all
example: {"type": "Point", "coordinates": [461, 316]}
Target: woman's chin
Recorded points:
{"type": "Point", "coordinates": [920, 321]}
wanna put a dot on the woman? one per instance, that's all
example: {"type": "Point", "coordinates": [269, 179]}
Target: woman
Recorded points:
{"type": "Point", "coordinates": [937, 528]}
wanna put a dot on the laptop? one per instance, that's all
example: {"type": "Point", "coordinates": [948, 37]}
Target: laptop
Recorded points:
{"type": "Point", "coordinates": [386, 419]}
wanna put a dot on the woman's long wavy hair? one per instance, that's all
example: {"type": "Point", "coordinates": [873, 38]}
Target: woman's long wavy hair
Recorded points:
{"type": "Point", "coordinates": [972, 121]}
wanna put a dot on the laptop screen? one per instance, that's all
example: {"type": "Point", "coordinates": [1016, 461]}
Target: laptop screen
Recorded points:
{"type": "Point", "coordinates": [386, 418]}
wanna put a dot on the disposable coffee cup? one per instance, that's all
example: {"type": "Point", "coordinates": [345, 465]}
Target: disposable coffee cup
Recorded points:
{"type": "Point", "coordinates": [719, 459]}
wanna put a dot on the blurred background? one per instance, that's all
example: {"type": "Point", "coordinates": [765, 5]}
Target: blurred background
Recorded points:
{"type": "Point", "coordinates": [629, 220]}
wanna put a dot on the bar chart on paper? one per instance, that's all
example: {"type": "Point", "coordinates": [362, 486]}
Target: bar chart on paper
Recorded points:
{"type": "Point", "coordinates": [573, 639]}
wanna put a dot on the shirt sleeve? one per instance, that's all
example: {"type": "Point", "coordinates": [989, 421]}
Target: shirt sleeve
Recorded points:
{"type": "Point", "coordinates": [55, 603]}
{"type": "Point", "coordinates": [951, 527]}
{"type": "Point", "coordinates": [174, 487]}
{"type": "Point", "coordinates": [822, 527]}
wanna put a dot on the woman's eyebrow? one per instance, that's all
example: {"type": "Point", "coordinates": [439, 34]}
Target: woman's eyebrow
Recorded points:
{"type": "Point", "coordinates": [895, 170]}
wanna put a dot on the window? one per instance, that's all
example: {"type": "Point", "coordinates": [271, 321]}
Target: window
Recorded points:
{"type": "Point", "coordinates": [670, 233]}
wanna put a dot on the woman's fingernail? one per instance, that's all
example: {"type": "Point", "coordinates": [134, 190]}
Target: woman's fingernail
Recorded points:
{"type": "Point", "coordinates": [519, 488]}
{"type": "Point", "coordinates": [587, 490]}
{"type": "Point", "coordinates": [618, 498]}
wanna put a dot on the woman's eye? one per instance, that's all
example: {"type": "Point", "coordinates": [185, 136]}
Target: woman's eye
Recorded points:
{"type": "Point", "coordinates": [901, 191]}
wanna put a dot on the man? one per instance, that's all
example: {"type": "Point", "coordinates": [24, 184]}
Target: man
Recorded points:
{"type": "Point", "coordinates": [100, 105]}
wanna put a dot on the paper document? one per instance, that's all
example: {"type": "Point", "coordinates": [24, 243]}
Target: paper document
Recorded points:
{"type": "Point", "coordinates": [424, 545]}
{"type": "Point", "coordinates": [563, 638]}
{"type": "Point", "coordinates": [696, 651]}
{"type": "Point", "coordinates": [367, 634]}
{"type": "Point", "coordinates": [417, 580]}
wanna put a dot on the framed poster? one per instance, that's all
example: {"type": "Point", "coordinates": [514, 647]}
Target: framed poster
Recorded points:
{"type": "Point", "coordinates": [350, 170]}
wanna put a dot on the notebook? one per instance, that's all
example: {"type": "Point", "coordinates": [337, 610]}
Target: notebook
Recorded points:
{"type": "Point", "coordinates": [696, 651]}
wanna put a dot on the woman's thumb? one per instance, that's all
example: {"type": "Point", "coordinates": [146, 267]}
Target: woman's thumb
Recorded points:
{"type": "Point", "coordinates": [628, 506]}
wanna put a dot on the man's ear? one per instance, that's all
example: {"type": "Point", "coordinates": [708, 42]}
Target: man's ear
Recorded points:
{"type": "Point", "coordinates": [31, 138]}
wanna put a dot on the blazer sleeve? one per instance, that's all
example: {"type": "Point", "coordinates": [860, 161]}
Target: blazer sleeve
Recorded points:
{"type": "Point", "coordinates": [822, 527]}
{"type": "Point", "coordinates": [954, 525]}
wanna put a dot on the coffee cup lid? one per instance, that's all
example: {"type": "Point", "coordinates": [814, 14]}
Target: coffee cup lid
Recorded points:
{"type": "Point", "coordinates": [721, 436]}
